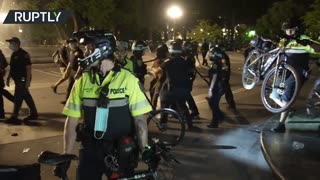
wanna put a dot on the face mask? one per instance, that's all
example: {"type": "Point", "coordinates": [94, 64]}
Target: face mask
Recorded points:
{"type": "Point", "coordinates": [12, 46]}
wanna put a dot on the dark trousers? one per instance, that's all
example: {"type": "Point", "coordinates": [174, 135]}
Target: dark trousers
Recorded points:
{"type": "Point", "coordinates": [178, 98]}
{"type": "Point", "coordinates": [217, 114]}
{"type": "Point", "coordinates": [204, 62]}
{"type": "Point", "coordinates": [228, 93]}
{"type": "Point", "coordinates": [91, 163]}
{"type": "Point", "coordinates": [6, 94]}
{"type": "Point", "coordinates": [192, 105]}
{"type": "Point", "coordinates": [22, 93]}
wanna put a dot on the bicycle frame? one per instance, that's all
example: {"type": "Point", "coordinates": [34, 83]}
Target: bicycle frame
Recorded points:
{"type": "Point", "coordinates": [264, 66]}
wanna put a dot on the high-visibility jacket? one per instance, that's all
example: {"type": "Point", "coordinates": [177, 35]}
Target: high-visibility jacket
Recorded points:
{"type": "Point", "coordinates": [126, 100]}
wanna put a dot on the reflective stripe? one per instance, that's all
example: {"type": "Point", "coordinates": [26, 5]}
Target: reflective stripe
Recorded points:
{"type": "Point", "coordinates": [74, 107]}
{"type": "Point", "coordinates": [112, 103]}
{"type": "Point", "coordinates": [296, 51]}
{"type": "Point", "coordinates": [118, 102]}
{"type": "Point", "coordinates": [139, 105]}
{"type": "Point", "coordinates": [90, 102]}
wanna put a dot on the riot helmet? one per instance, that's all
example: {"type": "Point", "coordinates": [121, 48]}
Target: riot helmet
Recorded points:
{"type": "Point", "coordinates": [162, 51]}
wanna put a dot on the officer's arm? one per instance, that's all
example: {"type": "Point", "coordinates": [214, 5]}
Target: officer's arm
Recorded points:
{"type": "Point", "coordinates": [213, 81]}
{"type": "Point", "coordinates": [70, 134]}
{"type": "Point", "coordinates": [28, 78]}
{"type": "Point", "coordinates": [141, 128]}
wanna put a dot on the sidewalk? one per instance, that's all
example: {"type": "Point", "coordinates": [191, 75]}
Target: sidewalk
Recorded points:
{"type": "Point", "coordinates": [294, 154]}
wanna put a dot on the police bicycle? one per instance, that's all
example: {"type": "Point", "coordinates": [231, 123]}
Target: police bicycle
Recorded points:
{"type": "Point", "coordinates": [258, 62]}
{"type": "Point", "coordinates": [159, 151]}
{"type": "Point", "coordinates": [276, 83]}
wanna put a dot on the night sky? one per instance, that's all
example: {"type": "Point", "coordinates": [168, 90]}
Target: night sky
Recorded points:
{"type": "Point", "coordinates": [245, 11]}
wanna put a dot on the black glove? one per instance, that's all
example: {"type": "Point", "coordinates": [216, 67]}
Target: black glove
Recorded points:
{"type": "Point", "coordinates": [150, 158]}
{"type": "Point", "coordinates": [61, 169]}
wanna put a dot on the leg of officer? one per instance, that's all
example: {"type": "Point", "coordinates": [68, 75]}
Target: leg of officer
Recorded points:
{"type": "Point", "coordinates": [228, 94]}
{"type": "Point", "coordinates": [193, 106]}
{"type": "Point", "coordinates": [30, 102]}
{"type": "Point", "coordinates": [19, 93]}
{"type": "Point", "coordinates": [7, 94]}
{"type": "Point", "coordinates": [91, 164]}
{"type": "Point", "coordinates": [1, 103]}
{"type": "Point", "coordinates": [214, 101]}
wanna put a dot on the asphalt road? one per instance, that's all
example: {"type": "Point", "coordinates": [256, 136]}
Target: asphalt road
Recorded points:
{"type": "Point", "coordinates": [230, 152]}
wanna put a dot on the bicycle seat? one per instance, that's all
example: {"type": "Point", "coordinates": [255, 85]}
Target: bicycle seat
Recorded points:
{"type": "Point", "coordinates": [52, 158]}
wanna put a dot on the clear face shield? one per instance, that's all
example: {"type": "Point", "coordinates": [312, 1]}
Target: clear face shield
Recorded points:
{"type": "Point", "coordinates": [91, 60]}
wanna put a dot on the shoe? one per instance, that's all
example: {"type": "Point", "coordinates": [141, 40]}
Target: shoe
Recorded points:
{"type": "Point", "coordinates": [31, 117]}
{"type": "Point", "coordinates": [195, 117]}
{"type": "Point", "coordinates": [13, 120]}
{"type": "Point", "coordinates": [54, 88]}
{"type": "Point", "coordinates": [231, 108]}
{"type": "Point", "coordinates": [213, 125]}
{"type": "Point", "coordinates": [194, 129]}
{"type": "Point", "coordinates": [281, 128]}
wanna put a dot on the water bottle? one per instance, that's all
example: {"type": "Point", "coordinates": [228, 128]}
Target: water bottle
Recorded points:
{"type": "Point", "coordinates": [101, 122]}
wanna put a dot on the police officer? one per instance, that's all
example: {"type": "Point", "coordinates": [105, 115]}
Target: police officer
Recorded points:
{"type": "Point", "coordinates": [189, 56]}
{"type": "Point", "coordinates": [176, 74]}
{"type": "Point", "coordinates": [109, 93]}
{"type": "Point", "coordinates": [298, 48]}
{"type": "Point", "coordinates": [122, 56]}
{"type": "Point", "coordinates": [3, 92]}
{"type": "Point", "coordinates": [216, 86]}
{"type": "Point", "coordinates": [139, 68]}
{"type": "Point", "coordinates": [226, 73]}
{"type": "Point", "coordinates": [162, 54]}
{"type": "Point", "coordinates": [204, 51]}
{"type": "Point", "coordinates": [20, 72]}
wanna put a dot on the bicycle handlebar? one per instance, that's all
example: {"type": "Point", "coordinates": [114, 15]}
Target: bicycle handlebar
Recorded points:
{"type": "Point", "coordinates": [161, 151]}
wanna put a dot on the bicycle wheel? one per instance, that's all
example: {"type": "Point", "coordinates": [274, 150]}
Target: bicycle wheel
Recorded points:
{"type": "Point", "coordinates": [277, 82]}
{"type": "Point", "coordinates": [171, 132]}
{"type": "Point", "coordinates": [250, 72]}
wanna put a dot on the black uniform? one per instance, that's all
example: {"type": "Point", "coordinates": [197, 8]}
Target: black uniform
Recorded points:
{"type": "Point", "coordinates": [226, 72]}
{"type": "Point", "coordinates": [217, 92]}
{"type": "Point", "coordinates": [204, 50]}
{"type": "Point", "coordinates": [20, 59]}
{"type": "Point", "coordinates": [175, 72]}
{"type": "Point", "coordinates": [3, 92]}
{"type": "Point", "coordinates": [192, 75]}
{"type": "Point", "coordinates": [139, 68]}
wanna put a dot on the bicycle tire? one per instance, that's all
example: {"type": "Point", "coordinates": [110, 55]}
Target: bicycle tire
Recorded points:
{"type": "Point", "coordinates": [266, 90]}
{"type": "Point", "coordinates": [246, 73]}
{"type": "Point", "coordinates": [170, 133]}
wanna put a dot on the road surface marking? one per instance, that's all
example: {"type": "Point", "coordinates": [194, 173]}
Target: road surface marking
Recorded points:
{"type": "Point", "coordinates": [45, 72]}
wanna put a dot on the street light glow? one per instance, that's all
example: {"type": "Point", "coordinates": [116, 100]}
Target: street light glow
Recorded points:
{"type": "Point", "coordinates": [174, 12]}
{"type": "Point", "coordinates": [2, 17]}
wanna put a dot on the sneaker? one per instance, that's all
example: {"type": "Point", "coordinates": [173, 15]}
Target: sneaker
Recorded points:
{"type": "Point", "coordinates": [13, 120]}
{"type": "Point", "coordinates": [31, 117]}
{"type": "Point", "coordinates": [281, 128]}
{"type": "Point", "coordinates": [213, 125]}
{"type": "Point", "coordinates": [195, 117]}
